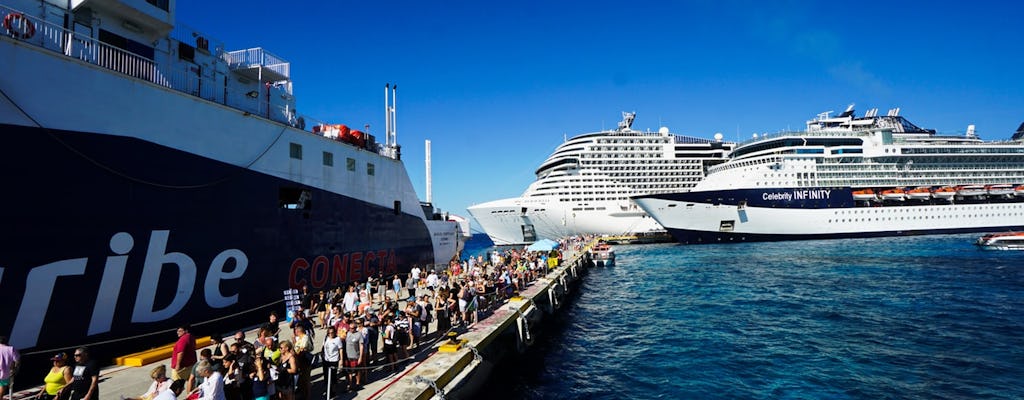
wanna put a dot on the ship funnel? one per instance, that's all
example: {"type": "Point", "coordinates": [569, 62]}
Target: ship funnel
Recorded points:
{"type": "Point", "coordinates": [970, 131]}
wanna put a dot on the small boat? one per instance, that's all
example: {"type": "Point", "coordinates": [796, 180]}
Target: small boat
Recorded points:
{"type": "Point", "coordinates": [864, 195]}
{"type": "Point", "coordinates": [945, 192]}
{"type": "Point", "coordinates": [1002, 241]}
{"type": "Point", "coordinates": [920, 193]}
{"type": "Point", "coordinates": [1000, 190]}
{"type": "Point", "coordinates": [896, 194]}
{"type": "Point", "coordinates": [971, 190]}
{"type": "Point", "coordinates": [602, 254]}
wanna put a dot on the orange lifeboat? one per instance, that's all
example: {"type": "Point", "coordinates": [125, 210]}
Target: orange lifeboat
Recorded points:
{"type": "Point", "coordinates": [1019, 190]}
{"type": "Point", "coordinates": [920, 193]}
{"type": "Point", "coordinates": [864, 195]}
{"type": "Point", "coordinates": [945, 192]}
{"type": "Point", "coordinates": [353, 137]}
{"type": "Point", "coordinates": [896, 194]}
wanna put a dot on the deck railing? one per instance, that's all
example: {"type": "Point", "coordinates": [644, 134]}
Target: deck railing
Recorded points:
{"type": "Point", "coordinates": [258, 57]}
{"type": "Point", "coordinates": [182, 77]}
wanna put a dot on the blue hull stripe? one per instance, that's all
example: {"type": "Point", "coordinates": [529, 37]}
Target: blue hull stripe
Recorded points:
{"type": "Point", "coordinates": [687, 236]}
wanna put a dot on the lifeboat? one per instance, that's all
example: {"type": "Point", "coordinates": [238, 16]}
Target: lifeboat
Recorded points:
{"type": "Point", "coordinates": [330, 131]}
{"type": "Point", "coordinates": [896, 194]}
{"type": "Point", "coordinates": [1000, 190]}
{"type": "Point", "coordinates": [920, 193]}
{"type": "Point", "coordinates": [1002, 241]}
{"type": "Point", "coordinates": [866, 195]}
{"type": "Point", "coordinates": [971, 190]}
{"type": "Point", "coordinates": [945, 192]}
{"type": "Point", "coordinates": [1019, 190]}
{"type": "Point", "coordinates": [353, 137]}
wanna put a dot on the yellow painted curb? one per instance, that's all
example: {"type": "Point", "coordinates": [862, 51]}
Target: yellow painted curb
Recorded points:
{"type": "Point", "coordinates": [160, 353]}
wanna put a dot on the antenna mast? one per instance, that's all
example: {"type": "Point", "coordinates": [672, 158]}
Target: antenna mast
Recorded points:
{"type": "Point", "coordinates": [390, 115]}
{"type": "Point", "coordinates": [430, 181]}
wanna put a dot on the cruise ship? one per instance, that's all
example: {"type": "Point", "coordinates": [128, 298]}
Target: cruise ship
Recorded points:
{"type": "Point", "coordinates": [154, 178]}
{"type": "Point", "coordinates": [848, 176]}
{"type": "Point", "coordinates": [585, 186]}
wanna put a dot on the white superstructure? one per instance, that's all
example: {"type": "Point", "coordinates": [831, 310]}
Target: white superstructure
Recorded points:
{"type": "Point", "coordinates": [585, 185]}
{"type": "Point", "coordinates": [850, 176]}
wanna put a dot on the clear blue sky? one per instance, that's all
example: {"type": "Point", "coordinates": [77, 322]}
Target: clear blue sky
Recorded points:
{"type": "Point", "coordinates": [496, 84]}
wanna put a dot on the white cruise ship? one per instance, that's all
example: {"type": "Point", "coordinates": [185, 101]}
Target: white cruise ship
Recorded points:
{"type": "Point", "coordinates": [585, 186]}
{"type": "Point", "coordinates": [849, 176]}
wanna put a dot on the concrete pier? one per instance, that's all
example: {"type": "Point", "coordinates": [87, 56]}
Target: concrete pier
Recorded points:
{"type": "Point", "coordinates": [437, 366]}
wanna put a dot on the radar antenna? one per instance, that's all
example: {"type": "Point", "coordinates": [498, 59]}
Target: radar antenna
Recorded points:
{"type": "Point", "coordinates": [627, 120]}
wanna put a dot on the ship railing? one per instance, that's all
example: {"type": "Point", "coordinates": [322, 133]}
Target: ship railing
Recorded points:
{"type": "Point", "coordinates": [181, 77]}
{"type": "Point", "coordinates": [257, 57]}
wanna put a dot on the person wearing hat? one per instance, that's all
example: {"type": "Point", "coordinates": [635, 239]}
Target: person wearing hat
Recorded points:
{"type": "Point", "coordinates": [57, 379]}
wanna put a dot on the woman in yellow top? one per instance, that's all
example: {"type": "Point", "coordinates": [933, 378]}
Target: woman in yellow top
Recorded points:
{"type": "Point", "coordinates": [59, 376]}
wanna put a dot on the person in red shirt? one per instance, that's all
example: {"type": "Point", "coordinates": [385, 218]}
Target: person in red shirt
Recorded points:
{"type": "Point", "coordinates": [183, 357]}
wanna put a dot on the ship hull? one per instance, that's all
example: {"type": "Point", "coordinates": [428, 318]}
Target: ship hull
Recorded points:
{"type": "Point", "coordinates": [748, 215]}
{"type": "Point", "coordinates": [108, 237]}
{"type": "Point", "coordinates": [131, 208]}
{"type": "Point", "coordinates": [511, 221]}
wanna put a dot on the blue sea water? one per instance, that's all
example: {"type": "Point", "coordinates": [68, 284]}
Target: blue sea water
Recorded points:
{"type": "Point", "coordinates": [928, 317]}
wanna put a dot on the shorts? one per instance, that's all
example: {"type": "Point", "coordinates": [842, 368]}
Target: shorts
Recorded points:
{"type": "Point", "coordinates": [351, 363]}
{"type": "Point", "coordinates": [5, 382]}
{"type": "Point", "coordinates": [181, 373]}
{"type": "Point", "coordinates": [462, 305]}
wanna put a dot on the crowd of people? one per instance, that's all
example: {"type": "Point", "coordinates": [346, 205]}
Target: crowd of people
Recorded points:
{"type": "Point", "coordinates": [373, 325]}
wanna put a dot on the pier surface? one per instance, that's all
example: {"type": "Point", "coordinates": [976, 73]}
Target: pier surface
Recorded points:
{"type": "Point", "coordinates": [435, 363]}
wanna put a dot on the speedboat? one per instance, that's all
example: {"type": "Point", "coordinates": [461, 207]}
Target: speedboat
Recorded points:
{"type": "Point", "coordinates": [1002, 241]}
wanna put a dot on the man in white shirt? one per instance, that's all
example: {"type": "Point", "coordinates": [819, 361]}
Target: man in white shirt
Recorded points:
{"type": "Point", "coordinates": [432, 281]}
{"type": "Point", "coordinates": [173, 392]}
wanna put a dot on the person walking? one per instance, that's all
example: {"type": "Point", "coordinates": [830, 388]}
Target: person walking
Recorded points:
{"type": "Point", "coordinates": [183, 356]}
{"type": "Point", "coordinates": [332, 358]}
{"type": "Point", "coordinates": [10, 359]}
{"type": "Point", "coordinates": [354, 355]}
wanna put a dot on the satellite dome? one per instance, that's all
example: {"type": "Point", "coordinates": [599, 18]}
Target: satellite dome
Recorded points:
{"type": "Point", "coordinates": [718, 136]}
{"type": "Point", "coordinates": [663, 130]}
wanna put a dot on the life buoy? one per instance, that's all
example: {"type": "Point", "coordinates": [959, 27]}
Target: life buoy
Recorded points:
{"type": "Point", "coordinates": [18, 25]}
